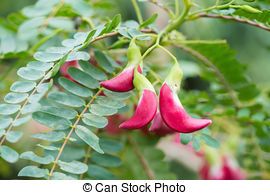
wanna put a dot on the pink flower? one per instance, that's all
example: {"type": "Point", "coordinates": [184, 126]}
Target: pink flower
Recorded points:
{"type": "Point", "coordinates": [65, 67]}
{"type": "Point", "coordinates": [174, 114]}
{"type": "Point", "coordinates": [226, 170]}
{"type": "Point", "coordinates": [145, 111]}
{"type": "Point", "coordinates": [123, 82]}
{"type": "Point", "coordinates": [159, 127]}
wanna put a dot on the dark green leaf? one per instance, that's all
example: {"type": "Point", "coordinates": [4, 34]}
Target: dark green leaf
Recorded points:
{"type": "Point", "coordinates": [52, 136]}
{"type": "Point", "coordinates": [100, 173]}
{"type": "Point", "coordinates": [64, 99]}
{"type": "Point", "coordinates": [88, 137]}
{"type": "Point", "coordinates": [83, 78]}
{"type": "Point", "coordinates": [51, 120]}
{"type": "Point", "coordinates": [74, 88]}
{"type": "Point", "coordinates": [149, 21]}
{"type": "Point", "coordinates": [106, 160]}
{"type": "Point", "coordinates": [95, 120]}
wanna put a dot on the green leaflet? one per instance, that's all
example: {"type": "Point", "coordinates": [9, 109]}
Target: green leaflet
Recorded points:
{"type": "Point", "coordinates": [106, 160]}
{"type": "Point", "coordinates": [52, 136]}
{"type": "Point", "coordinates": [74, 88]}
{"type": "Point", "coordinates": [8, 154]}
{"type": "Point", "coordinates": [33, 171]}
{"type": "Point", "coordinates": [30, 73]}
{"type": "Point", "coordinates": [51, 120]}
{"type": "Point", "coordinates": [8, 109]}
{"type": "Point", "coordinates": [65, 99]}
{"type": "Point", "coordinates": [14, 98]}
{"type": "Point", "coordinates": [33, 157]}
{"type": "Point", "coordinates": [95, 120]}
{"type": "Point", "coordinates": [83, 78]}
{"type": "Point", "coordinates": [92, 71]}
{"type": "Point", "coordinates": [74, 167]}
{"type": "Point", "coordinates": [102, 110]}
{"type": "Point", "coordinates": [14, 136]}
{"type": "Point", "coordinates": [101, 173]}
{"type": "Point", "coordinates": [89, 137]}
{"type": "Point", "coordinates": [22, 86]}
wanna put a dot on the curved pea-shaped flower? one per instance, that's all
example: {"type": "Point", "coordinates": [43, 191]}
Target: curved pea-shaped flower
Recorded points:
{"type": "Point", "coordinates": [124, 81]}
{"type": "Point", "coordinates": [171, 109]}
{"type": "Point", "coordinates": [147, 106]}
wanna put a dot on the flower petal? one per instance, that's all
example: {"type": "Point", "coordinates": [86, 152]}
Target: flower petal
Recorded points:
{"type": "Point", "coordinates": [145, 112]}
{"type": "Point", "coordinates": [123, 82]}
{"type": "Point", "coordinates": [174, 114]}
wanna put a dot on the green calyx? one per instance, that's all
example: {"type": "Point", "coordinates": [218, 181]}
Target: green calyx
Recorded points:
{"type": "Point", "coordinates": [133, 54]}
{"type": "Point", "coordinates": [174, 78]}
{"type": "Point", "coordinates": [141, 83]}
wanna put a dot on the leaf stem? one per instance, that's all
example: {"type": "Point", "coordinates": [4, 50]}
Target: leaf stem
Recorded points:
{"type": "Point", "coordinates": [211, 8]}
{"type": "Point", "coordinates": [138, 11]}
{"type": "Point", "coordinates": [234, 19]}
{"type": "Point", "coordinates": [71, 131]}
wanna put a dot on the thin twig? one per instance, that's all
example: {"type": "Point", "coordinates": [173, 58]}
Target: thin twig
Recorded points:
{"type": "Point", "coordinates": [234, 19]}
{"type": "Point", "coordinates": [71, 131]}
{"type": "Point", "coordinates": [214, 68]}
{"type": "Point", "coordinates": [137, 10]}
{"type": "Point", "coordinates": [143, 161]}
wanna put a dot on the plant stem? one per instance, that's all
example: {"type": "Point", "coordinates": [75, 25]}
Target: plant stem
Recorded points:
{"type": "Point", "coordinates": [138, 11]}
{"type": "Point", "coordinates": [168, 52]}
{"type": "Point", "coordinates": [213, 7]}
{"type": "Point", "coordinates": [234, 19]}
{"type": "Point", "coordinates": [141, 158]}
{"type": "Point", "coordinates": [180, 20]}
{"type": "Point", "coordinates": [71, 131]}
{"type": "Point", "coordinates": [176, 8]}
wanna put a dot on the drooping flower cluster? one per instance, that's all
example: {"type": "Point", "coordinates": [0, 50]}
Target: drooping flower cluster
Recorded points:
{"type": "Point", "coordinates": [172, 116]}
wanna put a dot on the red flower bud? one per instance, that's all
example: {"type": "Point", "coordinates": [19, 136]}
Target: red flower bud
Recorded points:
{"type": "Point", "coordinates": [174, 114]}
{"type": "Point", "coordinates": [123, 82]}
{"type": "Point", "coordinates": [145, 111]}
